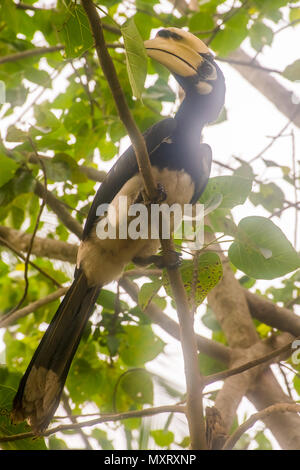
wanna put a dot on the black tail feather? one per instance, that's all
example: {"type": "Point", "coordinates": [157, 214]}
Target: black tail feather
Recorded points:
{"type": "Point", "coordinates": [41, 386]}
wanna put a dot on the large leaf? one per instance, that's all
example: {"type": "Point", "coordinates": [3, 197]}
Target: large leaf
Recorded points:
{"type": "Point", "coordinates": [292, 71]}
{"type": "Point", "coordinates": [136, 57]}
{"type": "Point", "coordinates": [139, 345]}
{"type": "Point", "coordinates": [261, 249]}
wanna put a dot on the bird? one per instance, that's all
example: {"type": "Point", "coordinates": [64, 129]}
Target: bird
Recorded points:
{"type": "Point", "coordinates": [180, 166]}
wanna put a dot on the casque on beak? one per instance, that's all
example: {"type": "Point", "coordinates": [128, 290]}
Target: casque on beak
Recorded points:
{"type": "Point", "coordinates": [178, 50]}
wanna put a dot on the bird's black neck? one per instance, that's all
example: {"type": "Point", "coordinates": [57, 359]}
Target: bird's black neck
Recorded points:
{"type": "Point", "coordinates": [191, 118]}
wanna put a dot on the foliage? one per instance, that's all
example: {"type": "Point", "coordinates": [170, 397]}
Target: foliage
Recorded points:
{"type": "Point", "coordinates": [60, 112]}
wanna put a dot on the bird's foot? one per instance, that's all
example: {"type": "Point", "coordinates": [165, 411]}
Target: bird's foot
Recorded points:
{"type": "Point", "coordinates": [143, 198]}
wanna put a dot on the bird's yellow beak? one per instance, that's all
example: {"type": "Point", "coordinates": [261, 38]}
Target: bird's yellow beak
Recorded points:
{"type": "Point", "coordinates": [178, 50]}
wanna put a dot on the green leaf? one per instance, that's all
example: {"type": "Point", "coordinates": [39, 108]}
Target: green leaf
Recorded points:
{"type": "Point", "coordinates": [262, 441]}
{"type": "Point", "coordinates": [147, 292]}
{"type": "Point", "coordinates": [101, 437]}
{"type": "Point", "coordinates": [75, 32]}
{"type": "Point", "coordinates": [200, 279]}
{"type": "Point", "coordinates": [210, 321]}
{"type": "Point", "coordinates": [233, 34]}
{"type": "Point", "coordinates": [234, 190]}
{"type": "Point", "coordinates": [136, 57]}
{"type": "Point", "coordinates": [162, 437]}
{"type": "Point", "coordinates": [292, 71]}
{"type": "Point", "coordinates": [261, 250]}
{"type": "Point", "coordinates": [137, 384]}
{"type": "Point", "coordinates": [8, 168]}
{"type": "Point", "coordinates": [15, 135]}
{"type": "Point", "coordinates": [107, 150]}
{"type": "Point", "coordinates": [201, 22]}
{"type": "Point", "coordinates": [209, 365]}
{"type": "Point", "coordinates": [139, 345]}
{"type": "Point", "coordinates": [260, 35]}
{"type": "Point", "coordinates": [294, 14]}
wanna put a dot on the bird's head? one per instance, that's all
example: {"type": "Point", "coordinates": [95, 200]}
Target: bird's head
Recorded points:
{"type": "Point", "coordinates": [192, 64]}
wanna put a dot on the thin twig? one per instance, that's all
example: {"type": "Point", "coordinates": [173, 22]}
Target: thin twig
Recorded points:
{"type": "Point", "coordinates": [59, 209]}
{"type": "Point", "coordinates": [10, 318]}
{"type": "Point", "coordinates": [42, 206]}
{"type": "Point", "coordinates": [254, 65]}
{"type": "Point", "coordinates": [248, 365]}
{"type": "Point", "coordinates": [20, 255]}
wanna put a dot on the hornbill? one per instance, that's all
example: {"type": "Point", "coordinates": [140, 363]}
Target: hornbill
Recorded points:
{"type": "Point", "coordinates": [180, 165]}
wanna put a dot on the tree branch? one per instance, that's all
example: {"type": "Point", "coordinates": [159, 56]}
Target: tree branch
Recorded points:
{"type": "Point", "coordinates": [42, 247]}
{"type": "Point", "coordinates": [59, 209]}
{"type": "Point", "coordinates": [260, 416]}
{"type": "Point", "coordinates": [103, 419]}
{"type": "Point", "coordinates": [30, 53]}
{"type": "Point", "coordinates": [10, 318]}
{"type": "Point", "coordinates": [271, 314]}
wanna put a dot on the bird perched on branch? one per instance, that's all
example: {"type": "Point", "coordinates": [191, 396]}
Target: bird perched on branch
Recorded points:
{"type": "Point", "coordinates": [180, 165]}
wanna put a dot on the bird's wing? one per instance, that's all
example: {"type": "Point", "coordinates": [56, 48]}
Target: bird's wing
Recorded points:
{"type": "Point", "coordinates": [125, 167]}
